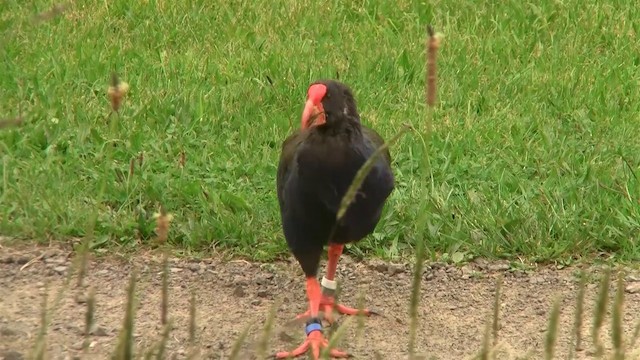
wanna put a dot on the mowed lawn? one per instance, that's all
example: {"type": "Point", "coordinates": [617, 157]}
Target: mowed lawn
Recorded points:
{"type": "Point", "coordinates": [534, 153]}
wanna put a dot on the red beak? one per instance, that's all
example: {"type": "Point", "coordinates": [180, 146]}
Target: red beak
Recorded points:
{"type": "Point", "coordinates": [313, 113]}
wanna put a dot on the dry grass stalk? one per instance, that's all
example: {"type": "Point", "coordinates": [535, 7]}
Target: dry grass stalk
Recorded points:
{"type": "Point", "coordinates": [55, 10]}
{"type": "Point", "coordinates": [338, 292]}
{"type": "Point", "coordinates": [11, 122]}
{"type": "Point", "coordinates": [577, 324]}
{"type": "Point", "coordinates": [552, 331]}
{"type": "Point", "coordinates": [164, 339]}
{"type": "Point", "coordinates": [263, 343]}
{"type": "Point", "coordinates": [193, 354]}
{"type": "Point", "coordinates": [164, 305]}
{"type": "Point", "coordinates": [124, 348]}
{"type": "Point", "coordinates": [360, 325]}
{"type": "Point", "coordinates": [634, 337]}
{"type": "Point", "coordinates": [46, 314]}
{"type": "Point", "coordinates": [433, 43]}
{"type": "Point", "coordinates": [600, 312]}
{"type": "Point", "coordinates": [148, 355]}
{"type": "Point", "coordinates": [132, 166]}
{"type": "Point", "coordinates": [39, 352]}
{"type": "Point", "coordinates": [431, 84]}
{"type": "Point", "coordinates": [163, 220]}
{"type": "Point", "coordinates": [336, 337]}
{"type": "Point", "coordinates": [192, 318]}
{"type": "Point", "coordinates": [485, 350]}
{"type": "Point", "coordinates": [183, 159]}
{"type": "Point", "coordinates": [496, 310]}
{"type": "Point", "coordinates": [89, 318]}
{"type": "Point", "coordinates": [237, 345]}
{"type": "Point", "coordinates": [116, 92]}
{"type": "Point", "coordinates": [336, 297]}
{"type": "Point", "coordinates": [415, 296]}
{"type": "Point", "coordinates": [616, 320]}
{"type": "Point", "coordinates": [83, 257]}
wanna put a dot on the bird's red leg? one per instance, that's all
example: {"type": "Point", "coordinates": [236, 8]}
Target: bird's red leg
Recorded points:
{"type": "Point", "coordinates": [329, 287]}
{"type": "Point", "coordinates": [327, 301]}
{"type": "Point", "coordinates": [315, 339]}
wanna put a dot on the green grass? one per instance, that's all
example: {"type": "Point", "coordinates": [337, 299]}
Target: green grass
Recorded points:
{"type": "Point", "coordinates": [534, 152]}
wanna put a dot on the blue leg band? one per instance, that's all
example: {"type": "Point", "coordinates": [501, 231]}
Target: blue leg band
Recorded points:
{"type": "Point", "coordinates": [313, 327]}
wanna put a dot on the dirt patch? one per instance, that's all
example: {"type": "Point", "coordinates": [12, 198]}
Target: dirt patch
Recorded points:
{"type": "Point", "coordinates": [455, 305]}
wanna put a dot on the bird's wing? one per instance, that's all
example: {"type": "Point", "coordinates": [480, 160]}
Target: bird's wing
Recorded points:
{"type": "Point", "coordinates": [384, 175]}
{"type": "Point", "coordinates": [286, 163]}
{"type": "Point", "coordinates": [377, 141]}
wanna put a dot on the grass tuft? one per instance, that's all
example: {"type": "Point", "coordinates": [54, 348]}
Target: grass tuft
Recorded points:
{"type": "Point", "coordinates": [521, 90]}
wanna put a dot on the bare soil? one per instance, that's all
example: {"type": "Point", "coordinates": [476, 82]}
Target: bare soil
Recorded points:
{"type": "Point", "coordinates": [231, 295]}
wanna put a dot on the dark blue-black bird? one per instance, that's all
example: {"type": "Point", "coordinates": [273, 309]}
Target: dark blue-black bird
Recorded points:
{"type": "Point", "coordinates": [317, 164]}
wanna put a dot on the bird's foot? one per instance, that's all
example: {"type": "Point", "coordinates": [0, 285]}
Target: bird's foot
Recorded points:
{"type": "Point", "coordinates": [314, 342]}
{"type": "Point", "coordinates": [328, 304]}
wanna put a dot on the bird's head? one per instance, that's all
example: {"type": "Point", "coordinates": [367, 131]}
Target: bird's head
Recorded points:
{"type": "Point", "coordinates": [328, 101]}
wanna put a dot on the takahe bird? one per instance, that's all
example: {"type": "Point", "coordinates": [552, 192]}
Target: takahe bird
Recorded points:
{"type": "Point", "coordinates": [317, 164]}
